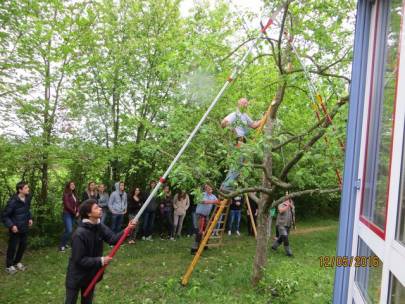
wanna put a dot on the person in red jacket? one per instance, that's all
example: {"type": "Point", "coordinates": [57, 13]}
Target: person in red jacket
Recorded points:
{"type": "Point", "coordinates": [70, 212]}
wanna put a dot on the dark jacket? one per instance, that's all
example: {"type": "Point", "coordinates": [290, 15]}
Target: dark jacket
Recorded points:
{"type": "Point", "coordinates": [70, 205]}
{"type": "Point", "coordinates": [87, 250]}
{"type": "Point", "coordinates": [17, 213]}
{"type": "Point", "coordinates": [236, 199]}
{"type": "Point", "coordinates": [133, 205]}
{"type": "Point", "coordinates": [87, 196]}
{"type": "Point", "coordinates": [166, 203]}
{"type": "Point", "coordinates": [152, 204]}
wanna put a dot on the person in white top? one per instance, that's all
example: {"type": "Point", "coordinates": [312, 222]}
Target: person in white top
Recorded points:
{"type": "Point", "coordinates": [239, 120]}
{"type": "Point", "coordinates": [241, 123]}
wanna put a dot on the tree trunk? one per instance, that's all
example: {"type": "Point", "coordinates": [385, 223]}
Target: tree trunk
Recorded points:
{"type": "Point", "coordinates": [261, 245]}
{"type": "Point", "coordinates": [265, 200]}
{"type": "Point", "coordinates": [116, 128]}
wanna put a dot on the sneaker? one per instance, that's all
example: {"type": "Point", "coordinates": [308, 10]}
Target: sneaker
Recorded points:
{"type": "Point", "coordinates": [237, 232]}
{"type": "Point", "coordinates": [20, 267]}
{"type": "Point", "coordinates": [229, 232]}
{"type": "Point", "coordinates": [149, 238]}
{"type": "Point", "coordinates": [11, 270]}
{"type": "Point", "coordinates": [131, 242]}
{"type": "Point", "coordinates": [62, 249]}
{"type": "Point", "coordinates": [67, 246]}
{"type": "Point", "coordinates": [172, 239]}
{"type": "Point", "coordinates": [143, 238]}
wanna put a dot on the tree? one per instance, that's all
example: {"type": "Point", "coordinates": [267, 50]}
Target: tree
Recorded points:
{"type": "Point", "coordinates": [45, 51]}
{"type": "Point", "coordinates": [276, 176]}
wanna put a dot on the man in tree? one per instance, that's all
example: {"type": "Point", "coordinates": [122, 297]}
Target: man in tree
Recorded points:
{"type": "Point", "coordinates": [17, 218]}
{"type": "Point", "coordinates": [87, 250]}
{"type": "Point", "coordinates": [285, 220]}
{"type": "Point", "coordinates": [240, 122]}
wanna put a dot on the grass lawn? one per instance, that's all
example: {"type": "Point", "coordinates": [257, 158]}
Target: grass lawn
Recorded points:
{"type": "Point", "coordinates": [150, 272]}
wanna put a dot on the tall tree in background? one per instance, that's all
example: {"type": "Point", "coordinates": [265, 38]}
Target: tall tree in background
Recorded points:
{"type": "Point", "coordinates": [44, 51]}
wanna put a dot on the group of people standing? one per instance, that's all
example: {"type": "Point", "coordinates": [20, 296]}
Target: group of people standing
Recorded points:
{"type": "Point", "coordinates": [169, 210]}
{"type": "Point", "coordinates": [96, 207]}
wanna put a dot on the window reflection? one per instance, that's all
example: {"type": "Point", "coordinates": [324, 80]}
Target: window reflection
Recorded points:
{"type": "Point", "coordinates": [380, 121]}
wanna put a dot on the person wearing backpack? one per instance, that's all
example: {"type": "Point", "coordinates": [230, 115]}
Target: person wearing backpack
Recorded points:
{"type": "Point", "coordinates": [285, 220]}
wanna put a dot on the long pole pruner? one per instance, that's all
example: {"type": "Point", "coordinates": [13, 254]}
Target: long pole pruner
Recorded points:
{"type": "Point", "coordinates": [162, 180]}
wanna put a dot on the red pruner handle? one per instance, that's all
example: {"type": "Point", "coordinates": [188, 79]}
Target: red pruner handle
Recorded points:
{"type": "Point", "coordinates": [100, 272]}
{"type": "Point", "coordinates": [270, 22]}
{"type": "Point", "coordinates": [162, 180]}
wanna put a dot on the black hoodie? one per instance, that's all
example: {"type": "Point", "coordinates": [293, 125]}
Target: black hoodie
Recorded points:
{"type": "Point", "coordinates": [87, 250]}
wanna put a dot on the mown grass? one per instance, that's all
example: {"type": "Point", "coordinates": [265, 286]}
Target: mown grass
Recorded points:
{"type": "Point", "coordinates": [150, 272]}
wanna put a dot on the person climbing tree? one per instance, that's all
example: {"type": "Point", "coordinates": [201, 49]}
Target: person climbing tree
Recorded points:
{"type": "Point", "coordinates": [285, 220]}
{"type": "Point", "coordinates": [240, 122]}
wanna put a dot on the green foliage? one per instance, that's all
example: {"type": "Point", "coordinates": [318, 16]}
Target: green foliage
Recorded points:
{"type": "Point", "coordinates": [110, 90]}
{"type": "Point", "coordinates": [150, 272]}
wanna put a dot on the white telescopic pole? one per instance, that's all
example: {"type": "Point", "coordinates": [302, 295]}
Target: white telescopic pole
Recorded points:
{"type": "Point", "coordinates": [234, 74]}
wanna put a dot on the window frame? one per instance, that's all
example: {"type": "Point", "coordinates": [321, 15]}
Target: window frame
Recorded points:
{"type": "Point", "coordinates": [381, 14]}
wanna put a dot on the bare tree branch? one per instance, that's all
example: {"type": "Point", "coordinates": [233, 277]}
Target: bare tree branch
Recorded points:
{"type": "Point", "coordinates": [236, 49]}
{"type": "Point", "coordinates": [272, 179]}
{"type": "Point", "coordinates": [300, 193]}
{"type": "Point", "coordinates": [246, 190]}
{"type": "Point", "coordinates": [280, 36]}
{"type": "Point", "coordinates": [300, 136]}
{"type": "Point", "coordinates": [326, 123]}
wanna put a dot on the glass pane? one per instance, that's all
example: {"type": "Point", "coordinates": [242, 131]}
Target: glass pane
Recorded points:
{"type": "Point", "coordinates": [381, 114]}
{"type": "Point", "coordinates": [400, 236]}
{"type": "Point", "coordinates": [397, 292]}
{"type": "Point", "coordinates": [368, 273]}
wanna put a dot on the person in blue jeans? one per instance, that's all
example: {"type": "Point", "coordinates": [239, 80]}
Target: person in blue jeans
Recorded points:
{"type": "Point", "coordinates": [203, 211]}
{"type": "Point", "coordinates": [70, 213]}
{"type": "Point", "coordinates": [235, 214]}
{"type": "Point", "coordinates": [118, 206]}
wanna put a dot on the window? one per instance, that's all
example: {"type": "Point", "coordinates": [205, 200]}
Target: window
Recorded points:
{"type": "Point", "coordinates": [400, 236]}
{"type": "Point", "coordinates": [368, 278]}
{"type": "Point", "coordinates": [381, 113]}
{"type": "Point", "coordinates": [397, 291]}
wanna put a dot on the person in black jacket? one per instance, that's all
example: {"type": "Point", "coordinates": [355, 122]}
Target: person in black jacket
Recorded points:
{"type": "Point", "coordinates": [17, 218]}
{"type": "Point", "coordinates": [87, 251]}
{"type": "Point", "coordinates": [135, 202]}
